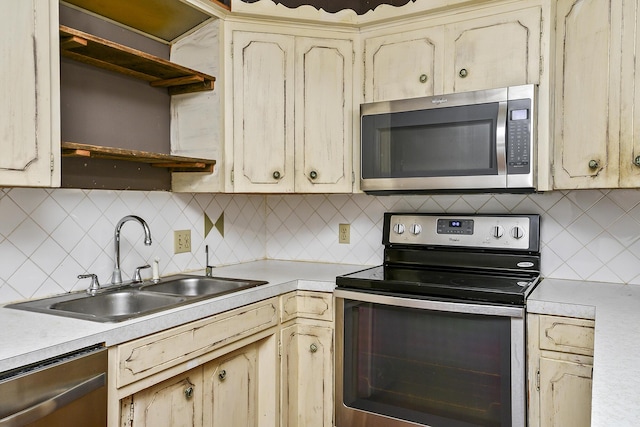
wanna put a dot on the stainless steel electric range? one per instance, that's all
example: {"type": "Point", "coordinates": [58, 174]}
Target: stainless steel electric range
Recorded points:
{"type": "Point", "coordinates": [436, 335]}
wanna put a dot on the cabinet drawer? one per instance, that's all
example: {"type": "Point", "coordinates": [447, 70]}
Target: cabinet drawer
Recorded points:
{"type": "Point", "coordinates": [307, 304]}
{"type": "Point", "coordinates": [567, 334]}
{"type": "Point", "coordinates": [149, 355]}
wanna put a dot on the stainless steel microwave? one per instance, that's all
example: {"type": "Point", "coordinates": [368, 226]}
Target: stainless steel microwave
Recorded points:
{"type": "Point", "coordinates": [482, 141]}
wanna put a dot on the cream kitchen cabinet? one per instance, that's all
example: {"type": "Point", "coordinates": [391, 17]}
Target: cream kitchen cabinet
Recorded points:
{"type": "Point", "coordinates": [221, 370]}
{"type": "Point", "coordinates": [30, 87]}
{"type": "Point", "coordinates": [307, 359]}
{"type": "Point", "coordinates": [176, 402]}
{"type": "Point", "coordinates": [403, 65]}
{"type": "Point", "coordinates": [471, 50]}
{"type": "Point", "coordinates": [560, 370]}
{"type": "Point", "coordinates": [596, 115]}
{"type": "Point", "coordinates": [292, 112]}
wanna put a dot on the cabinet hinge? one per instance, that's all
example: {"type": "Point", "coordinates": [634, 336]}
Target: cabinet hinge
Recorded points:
{"type": "Point", "coordinates": [538, 379]}
{"type": "Point", "coordinates": [280, 349]}
{"type": "Point", "coordinates": [353, 177]}
{"type": "Point", "coordinates": [232, 175]}
{"type": "Point", "coordinates": [51, 162]}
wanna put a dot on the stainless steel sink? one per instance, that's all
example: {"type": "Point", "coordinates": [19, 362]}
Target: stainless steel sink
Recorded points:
{"type": "Point", "coordinates": [119, 303]}
{"type": "Point", "coordinates": [194, 286]}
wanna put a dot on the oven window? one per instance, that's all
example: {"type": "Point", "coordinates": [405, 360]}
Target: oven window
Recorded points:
{"type": "Point", "coordinates": [452, 141]}
{"type": "Point", "coordinates": [436, 368]}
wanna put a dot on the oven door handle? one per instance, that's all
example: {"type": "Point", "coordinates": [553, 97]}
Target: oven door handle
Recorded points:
{"type": "Point", "coordinates": [448, 306]}
{"type": "Point", "coordinates": [48, 406]}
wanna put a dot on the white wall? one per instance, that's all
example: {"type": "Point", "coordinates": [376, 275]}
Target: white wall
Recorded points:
{"type": "Point", "coordinates": [48, 237]}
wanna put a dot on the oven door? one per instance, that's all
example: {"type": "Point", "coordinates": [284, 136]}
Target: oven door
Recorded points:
{"type": "Point", "coordinates": [412, 362]}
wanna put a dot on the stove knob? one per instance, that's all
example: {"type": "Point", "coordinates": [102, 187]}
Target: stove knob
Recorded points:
{"type": "Point", "coordinates": [415, 229]}
{"type": "Point", "coordinates": [517, 232]}
{"type": "Point", "coordinates": [497, 231]}
{"type": "Point", "coordinates": [398, 228]}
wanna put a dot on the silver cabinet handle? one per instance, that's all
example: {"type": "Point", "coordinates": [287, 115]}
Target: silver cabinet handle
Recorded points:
{"type": "Point", "coordinates": [313, 348]}
{"type": "Point", "coordinates": [313, 174]}
{"type": "Point", "coordinates": [636, 161]}
{"type": "Point", "coordinates": [48, 406]}
{"type": "Point", "coordinates": [276, 175]}
{"type": "Point", "coordinates": [423, 78]}
{"type": "Point", "coordinates": [463, 73]}
{"type": "Point", "coordinates": [594, 164]}
{"type": "Point", "coordinates": [222, 375]}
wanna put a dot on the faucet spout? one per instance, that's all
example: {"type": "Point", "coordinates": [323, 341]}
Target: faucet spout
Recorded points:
{"type": "Point", "coordinates": [116, 278]}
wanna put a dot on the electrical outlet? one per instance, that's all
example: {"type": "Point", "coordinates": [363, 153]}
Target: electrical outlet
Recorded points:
{"type": "Point", "coordinates": [181, 241]}
{"type": "Point", "coordinates": [344, 233]}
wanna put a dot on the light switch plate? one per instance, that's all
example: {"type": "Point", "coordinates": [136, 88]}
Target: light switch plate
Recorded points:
{"type": "Point", "coordinates": [181, 241]}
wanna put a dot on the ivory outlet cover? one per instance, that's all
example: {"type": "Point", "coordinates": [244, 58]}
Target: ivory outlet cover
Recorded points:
{"type": "Point", "coordinates": [181, 241]}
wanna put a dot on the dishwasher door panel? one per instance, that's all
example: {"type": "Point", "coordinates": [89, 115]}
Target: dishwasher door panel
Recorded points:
{"type": "Point", "coordinates": [68, 391]}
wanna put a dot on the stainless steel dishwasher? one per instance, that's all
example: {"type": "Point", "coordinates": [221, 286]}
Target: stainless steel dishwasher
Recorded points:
{"type": "Point", "coordinates": [67, 390]}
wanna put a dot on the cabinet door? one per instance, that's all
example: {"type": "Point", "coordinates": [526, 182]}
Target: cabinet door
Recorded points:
{"type": "Point", "coordinates": [30, 87]}
{"type": "Point", "coordinates": [323, 115]}
{"type": "Point", "coordinates": [405, 65]}
{"type": "Point", "coordinates": [307, 376]}
{"type": "Point", "coordinates": [493, 51]}
{"type": "Point", "coordinates": [587, 93]}
{"type": "Point", "coordinates": [565, 393]}
{"type": "Point", "coordinates": [176, 402]}
{"type": "Point", "coordinates": [231, 389]}
{"type": "Point", "coordinates": [263, 111]}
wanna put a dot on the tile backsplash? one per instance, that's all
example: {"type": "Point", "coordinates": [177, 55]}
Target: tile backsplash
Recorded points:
{"type": "Point", "coordinates": [48, 237]}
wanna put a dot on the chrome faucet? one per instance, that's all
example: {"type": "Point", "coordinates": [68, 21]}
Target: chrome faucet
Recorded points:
{"type": "Point", "coordinates": [117, 275]}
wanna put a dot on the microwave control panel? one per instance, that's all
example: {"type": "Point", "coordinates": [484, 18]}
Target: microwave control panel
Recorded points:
{"type": "Point", "coordinates": [518, 135]}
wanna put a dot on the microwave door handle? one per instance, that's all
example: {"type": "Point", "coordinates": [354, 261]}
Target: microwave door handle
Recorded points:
{"type": "Point", "coordinates": [48, 406]}
{"type": "Point", "coordinates": [501, 138]}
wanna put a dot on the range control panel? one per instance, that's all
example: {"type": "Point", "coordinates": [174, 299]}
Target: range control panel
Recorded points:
{"type": "Point", "coordinates": [498, 232]}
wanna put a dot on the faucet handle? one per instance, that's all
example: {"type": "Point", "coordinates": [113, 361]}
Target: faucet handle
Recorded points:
{"type": "Point", "coordinates": [94, 286]}
{"type": "Point", "coordinates": [136, 275]}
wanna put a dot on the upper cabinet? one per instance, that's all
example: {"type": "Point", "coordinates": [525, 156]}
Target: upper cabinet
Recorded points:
{"type": "Point", "coordinates": [497, 50]}
{"type": "Point", "coordinates": [29, 112]}
{"type": "Point", "coordinates": [403, 65]}
{"type": "Point", "coordinates": [292, 112]}
{"type": "Point", "coordinates": [474, 50]}
{"type": "Point", "coordinates": [597, 136]}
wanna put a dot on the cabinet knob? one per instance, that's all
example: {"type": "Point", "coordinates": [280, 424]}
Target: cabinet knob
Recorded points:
{"type": "Point", "coordinates": [313, 174]}
{"type": "Point", "coordinates": [188, 392]}
{"type": "Point", "coordinates": [636, 161]}
{"type": "Point", "coordinates": [276, 175]}
{"type": "Point", "coordinates": [222, 375]}
{"type": "Point", "coordinates": [423, 78]}
{"type": "Point", "coordinates": [463, 73]}
{"type": "Point", "coordinates": [594, 164]}
{"type": "Point", "coordinates": [313, 348]}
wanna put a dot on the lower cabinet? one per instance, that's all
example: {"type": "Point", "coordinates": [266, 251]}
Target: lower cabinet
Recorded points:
{"type": "Point", "coordinates": [176, 402]}
{"type": "Point", "coordinates": [306, 361]}
{"type": "Point", "coordinates": [267, 364]}
{"type": "Point", "coordinates": [560, 371]}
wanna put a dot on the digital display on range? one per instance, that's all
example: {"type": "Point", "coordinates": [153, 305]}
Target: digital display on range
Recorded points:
{"type": "Point", "coordinates": [455, 226]}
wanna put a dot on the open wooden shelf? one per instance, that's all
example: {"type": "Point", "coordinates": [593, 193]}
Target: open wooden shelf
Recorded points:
{"type": "Point", "coordinates": [173, 163]}
{"type": "Point", "coordinates": [98, 52]}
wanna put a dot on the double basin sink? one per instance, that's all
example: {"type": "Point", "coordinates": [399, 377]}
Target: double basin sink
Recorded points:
{"type": "Point", "coordinates": [124, 302]}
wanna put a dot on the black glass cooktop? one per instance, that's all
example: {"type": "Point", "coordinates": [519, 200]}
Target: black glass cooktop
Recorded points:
{"type": "Point", "coordinates": [472, 285]}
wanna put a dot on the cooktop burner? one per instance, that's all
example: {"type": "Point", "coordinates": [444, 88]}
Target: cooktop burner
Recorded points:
{"type": "Point", "coordinates": [480, 258]}
{"type": "Point", "coordinates": [474, 286]}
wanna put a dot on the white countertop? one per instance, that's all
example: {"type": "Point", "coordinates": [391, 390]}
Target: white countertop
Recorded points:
{"type": "Point", "coordinates": [616, 359]}
{"type": "Point", "coordinates": [27, 337]}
